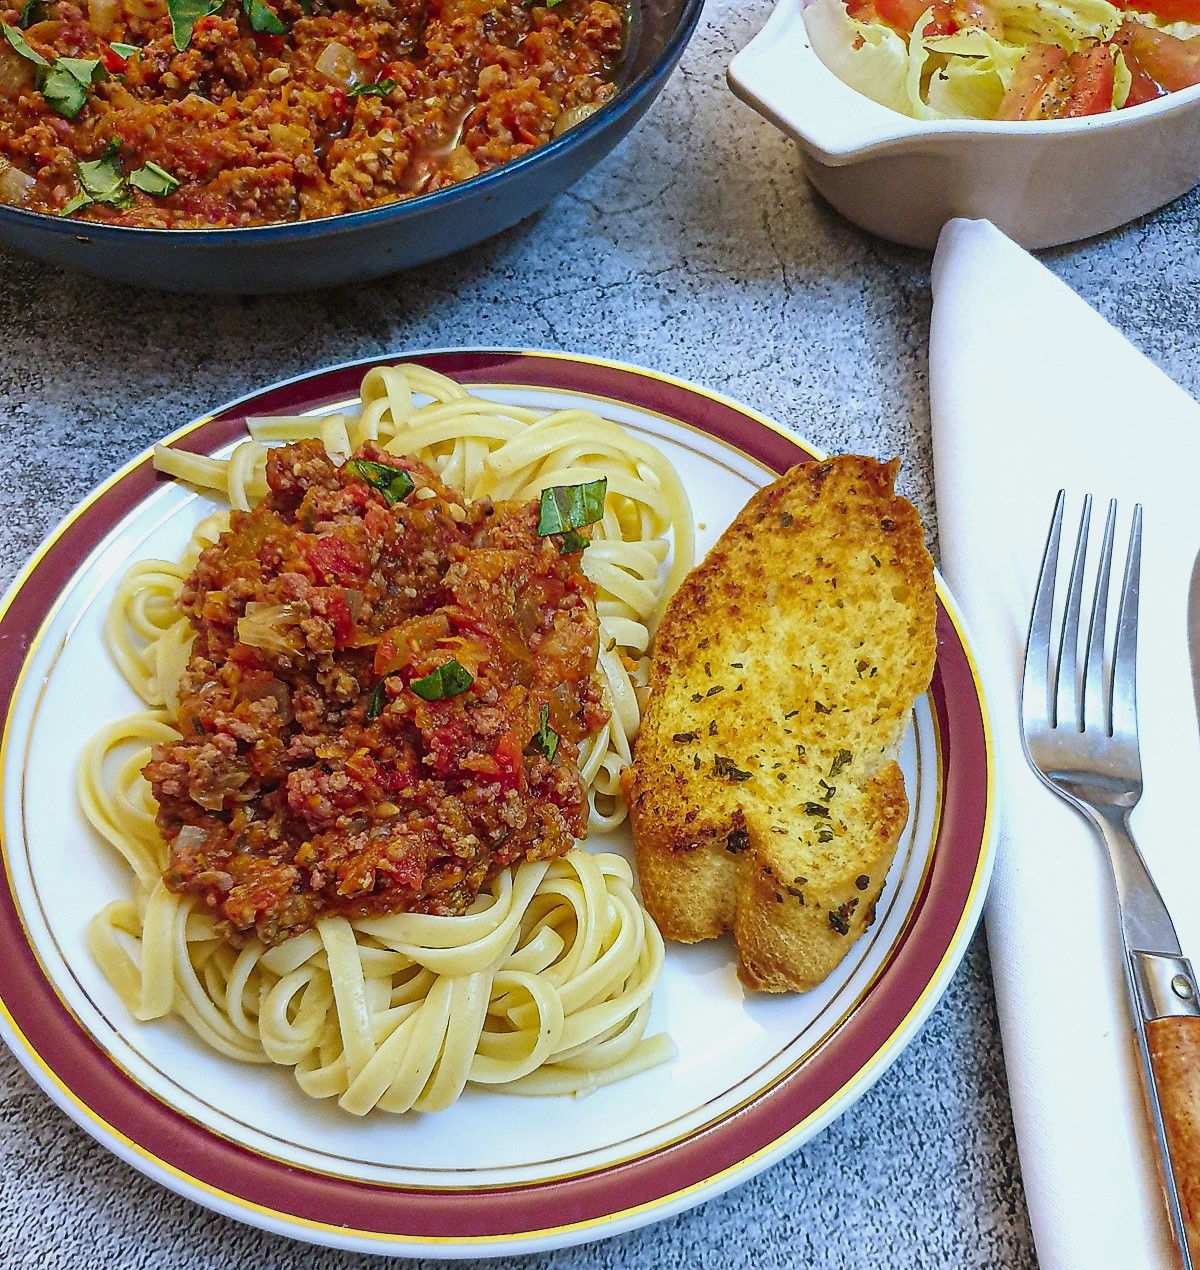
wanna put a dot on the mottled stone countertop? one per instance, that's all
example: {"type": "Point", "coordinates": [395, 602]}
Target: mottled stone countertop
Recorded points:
{"type": "Point", "coordinates": [697, 249]}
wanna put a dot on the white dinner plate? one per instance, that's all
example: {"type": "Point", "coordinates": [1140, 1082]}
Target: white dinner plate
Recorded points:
{"type": "Point", "coordinates": [753, 1075]}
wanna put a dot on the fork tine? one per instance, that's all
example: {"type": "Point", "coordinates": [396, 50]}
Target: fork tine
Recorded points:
{"type": "Point", "coordinates": [1068, 699]}
{"type": "Point", "coordinates": [1035, 679]}
{"type": "Point", "coordinates": [1096, 697]}
{"type": "Point", "coordinates": [1124, 696]}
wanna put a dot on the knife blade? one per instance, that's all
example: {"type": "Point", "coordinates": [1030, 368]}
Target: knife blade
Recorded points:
{"type": "Point", "coordinates": [1193, 632]}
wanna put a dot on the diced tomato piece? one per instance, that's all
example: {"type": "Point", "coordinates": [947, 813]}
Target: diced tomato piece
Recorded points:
{"type": "Point", "coordinates": [113, 62]}
{"type": "Point", "coordinates": [1170, 63]}
{"type": "Point", "coordinates": [403, 775]}
{"type": "Point", "coordinates": [333, 557]}
{"type": "Point", "coordinates": [404, 861]}
{"type": "Point", "coordinates": [510, 763]}
{"type": "Point", "coordinates": [334, 607]}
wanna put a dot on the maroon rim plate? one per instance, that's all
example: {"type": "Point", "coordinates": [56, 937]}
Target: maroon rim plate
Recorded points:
{"type": "Point", "coordinates": [827, 1049]}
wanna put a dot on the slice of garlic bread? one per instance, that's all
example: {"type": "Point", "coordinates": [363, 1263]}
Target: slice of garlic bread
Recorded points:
{"type": "Point", "coordinates": [764, 794]}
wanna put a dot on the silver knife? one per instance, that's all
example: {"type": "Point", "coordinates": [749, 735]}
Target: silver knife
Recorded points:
{"type": "Point", "coordinates": [1193, 632]}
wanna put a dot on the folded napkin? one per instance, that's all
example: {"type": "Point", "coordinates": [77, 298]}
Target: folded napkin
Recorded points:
{"type": "Point", "coordinates": [1032, 391]}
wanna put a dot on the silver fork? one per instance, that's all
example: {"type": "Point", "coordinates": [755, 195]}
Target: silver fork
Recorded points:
{"type": "Point", "coordinates": [1081, 737]}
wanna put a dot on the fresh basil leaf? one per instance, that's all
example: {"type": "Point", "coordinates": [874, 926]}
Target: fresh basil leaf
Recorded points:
{"type": "Point", "coordinates": [545, 739]}
{"type": "Point", "coordinates": [87, 70]}
{"type": "Point", "coordinates": [103, 181]}
{"type": "Point", "coordinates": [262, 19]}
{"type": "Point", "coordinates": [380, 88]}
{"type": "Point", "coordinates": [377, 702]}
{"type": "Point", "coordinates": [394, 483]}
{"type": "Point", "coordinates": [78, 202]}
{"type": "Point", "coordinates": [566, 507]}
{"type": "Point", "coordinates": [33, 11]}
{"type": "Point", "coordinates": [184, 16]}
{"type": "Point", "coordinates": [151, 179]}
{"type": "Point", "coordinates": [572, 541]}
{"type": "Point", "coordinates": [447, 681]}
{"type": "Point", "coordinates": [65, 82]}
{"type": "Point", "coordinates": [18, 42]}
{"type": "Point", "coordinates": [125, 51]}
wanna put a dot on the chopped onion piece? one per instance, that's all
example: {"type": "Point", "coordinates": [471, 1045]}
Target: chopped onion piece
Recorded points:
{"type": "Point", "coordinates": [14, 184]}
{"type": "Point", "coordinates": [190, 838]}
{"type": "Point", "coordinates": [144, 8]}
{"type": "Point", "coordinates": [270, 627]}
{"type": "Point", "coordinates": [102, 14]}
{"type": "Point", "coordinates": [16, 74]}
{"type": "Point", "coordinates": [340, 64]}
{"type": "Point", "coordinates": [577, 114]}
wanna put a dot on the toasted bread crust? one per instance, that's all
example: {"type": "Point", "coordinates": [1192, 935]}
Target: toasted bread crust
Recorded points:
{"type": "Point", "coordinates": [764, 796]}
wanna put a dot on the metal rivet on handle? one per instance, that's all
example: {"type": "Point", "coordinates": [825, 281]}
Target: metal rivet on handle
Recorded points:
{"type": "Point", "coordinates": [1183, 987]}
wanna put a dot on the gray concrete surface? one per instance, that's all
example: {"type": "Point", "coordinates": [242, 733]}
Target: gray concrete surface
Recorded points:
{"type": "Point", "coordinates": [698, 249]}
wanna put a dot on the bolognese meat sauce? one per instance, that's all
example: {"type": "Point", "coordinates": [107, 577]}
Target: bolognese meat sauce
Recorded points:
{"type": "Point", "coordinates": [384, 699]}
{"type": "Point", "coordinates": [177, 114]}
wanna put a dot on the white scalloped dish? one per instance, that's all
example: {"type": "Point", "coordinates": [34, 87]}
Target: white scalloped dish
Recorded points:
{"type": "Point", "coordinates": [1042, 182]}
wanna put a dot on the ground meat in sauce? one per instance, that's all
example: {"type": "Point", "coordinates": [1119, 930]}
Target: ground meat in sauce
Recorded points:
{"type": "Point", "coordinates": [301, 786]}
{"type": "Point", "coordinates": [256, 133]}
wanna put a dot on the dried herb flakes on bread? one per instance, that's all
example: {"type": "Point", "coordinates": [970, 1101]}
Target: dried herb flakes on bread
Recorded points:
{"type": "Point", "coordinates": [764, 796]}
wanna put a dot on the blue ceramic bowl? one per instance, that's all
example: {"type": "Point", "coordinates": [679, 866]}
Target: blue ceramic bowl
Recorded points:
{"type": "Point", "coordinates": [356, 246]}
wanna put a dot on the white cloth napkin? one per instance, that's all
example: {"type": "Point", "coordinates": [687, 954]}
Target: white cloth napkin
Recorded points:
{"type": "Point", "coordinates": [1032, 391]}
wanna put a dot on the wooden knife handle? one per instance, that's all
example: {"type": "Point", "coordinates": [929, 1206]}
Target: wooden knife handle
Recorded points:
{"type": "Point", "coordinates": [1174, 1045]}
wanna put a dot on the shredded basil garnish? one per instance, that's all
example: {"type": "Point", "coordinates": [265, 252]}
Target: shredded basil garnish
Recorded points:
{"type": "Point", "coordinates": [569, 507]}
{"type": "Point", "coordinates": [102, 182]}
{"type": "Point", "coordinates": [17, 40]}
{"type": "Point", "coordinates": [33, 11]}
{"type": "Point", "coordinates": [447, 681]}
{"type": "Point", "coordinates": [394, 483]}
{"type": "Point", "coordinates": [380, 88]}
{"type": "Point", "coordinates": [124, 51]}
{"type": "Point", "coordinates": [184, 16]}
{"type": "Point", "coordinates": [262, 19]}
{"type": "Point", "coordinates": [377, 702]}
{"type": "Point", "coordinates": [545, 739]}
{"type": "Point", "coordinates": [153, 180]}
{"type": "Point", "coordinates": [64, 81]}
{"type": "Point", "coordinates": [64, 85]}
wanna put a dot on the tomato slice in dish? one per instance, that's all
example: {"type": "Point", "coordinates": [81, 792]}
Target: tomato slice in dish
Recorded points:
{"type": "Point", "coordinates": [1164, 10]}
{"type": "Point", "coordinates": [1049, 83]}
{"type": "Point", "coordinates": [948, 16]}
{"type": "Point", "coordinates": [1091, 72]}
{"type": "Point", "coordinates": [1168, 62]}
{"type": "Point", "coordinates": [1142, 87]}
{"type": "Point", "coordinates": [1032, 93]}
{"type": "Point", "coordinates": [900, 15]}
